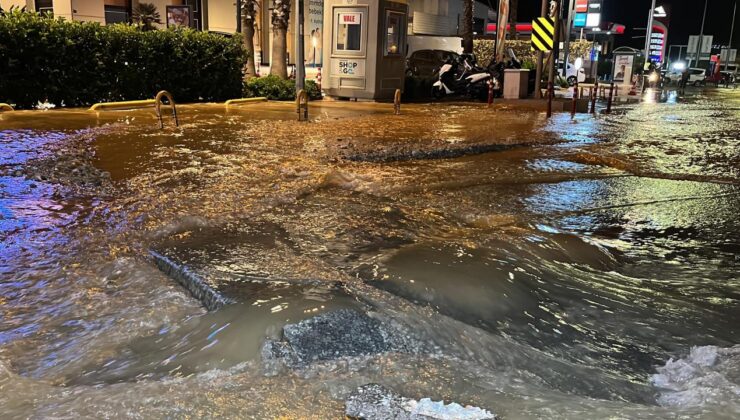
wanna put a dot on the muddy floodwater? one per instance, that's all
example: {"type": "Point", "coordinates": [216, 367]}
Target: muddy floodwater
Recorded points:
{"type": "Point", "coordinates": [571, 268]}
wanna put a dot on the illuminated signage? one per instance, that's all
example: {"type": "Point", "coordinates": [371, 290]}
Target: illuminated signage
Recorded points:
{"type": "Point", "coordinates": [588, 14]}
{"type": "Point", "coordinates": [580, 20]}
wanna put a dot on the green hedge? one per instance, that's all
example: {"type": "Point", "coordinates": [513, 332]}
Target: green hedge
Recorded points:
{"type": "Point", "coordinates": [80, 63]}
{"type": "Point", "coordinates": [275, 88]}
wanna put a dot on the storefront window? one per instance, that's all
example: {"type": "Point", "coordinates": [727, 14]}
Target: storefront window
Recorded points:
{"type": "Point", "coordinates": [393, 33]}
{"type": "Point", "coordinates": [45, 7]}
{"type": "Point", "coordinates": [349, 31]}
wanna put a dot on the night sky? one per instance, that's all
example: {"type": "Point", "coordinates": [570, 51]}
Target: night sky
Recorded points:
{"type": "Point", "coordinates": [685, 18]}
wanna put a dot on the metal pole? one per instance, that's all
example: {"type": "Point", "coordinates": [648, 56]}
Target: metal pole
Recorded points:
{"type": "Point", "coordinates": [701, 36]}
{"type": "Point", "coordinates": [300, 75]}
{"type": "Point", "coordinates": [555, 50]}
{"type": "Point", "coordinates": [732, 30]}
{"type": "Point", "coordinates": [540, 57]}
{"type": "Point", "coordinates": [566, 43]}
{"type": "Point", "coordinates": [649, 32]}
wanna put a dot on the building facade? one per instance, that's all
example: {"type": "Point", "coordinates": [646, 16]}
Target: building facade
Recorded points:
{"type": "Point", "coordinates": [427, 17]}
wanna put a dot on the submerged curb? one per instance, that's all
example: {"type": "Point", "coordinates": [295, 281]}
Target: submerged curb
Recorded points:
{"type": "Point", "coordinates": [210, 298]}
{"type": "Point", "coordinates": [446, 153]}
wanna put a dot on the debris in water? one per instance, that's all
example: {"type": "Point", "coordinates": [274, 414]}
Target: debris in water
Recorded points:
{"type": "Point", "coordinates": [333, 335]}
{"type": "Point", "coordinates": [374, 401]}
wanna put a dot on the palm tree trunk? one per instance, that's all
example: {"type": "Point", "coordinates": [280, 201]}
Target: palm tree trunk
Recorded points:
{"type": "Point", "coordinates": [280, 19]}
{"type": "Point", "coordinates": [467, 29]}
{"type": "Point", "coordinates": [248, 16]}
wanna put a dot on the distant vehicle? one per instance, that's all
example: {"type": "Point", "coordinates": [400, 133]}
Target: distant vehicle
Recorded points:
{"type": "Point", "coordinates": [697, 77]}
{"type": "Point", "coordinates": [572, 75]}
{"type": "Point", "coordinates": [426, 63]}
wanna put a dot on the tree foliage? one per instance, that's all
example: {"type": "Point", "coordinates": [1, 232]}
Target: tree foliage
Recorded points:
{"type": "Point", "coordinates": [146, 15]}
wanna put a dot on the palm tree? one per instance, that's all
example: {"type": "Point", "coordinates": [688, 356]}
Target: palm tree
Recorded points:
{"type": "Point", "coordinates": [513, 6]}
{"type": "Point", "coordinates": [280, 19]}
{"type": "Point", "coordinates": [249, 14]}
{"type": "Point", "coordinates": [467, 29]}
{"type": "Point", "coordinates": [146, 15]}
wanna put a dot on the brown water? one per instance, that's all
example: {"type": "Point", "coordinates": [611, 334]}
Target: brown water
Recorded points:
{"type": "Point", "coordinates": [555, 278]}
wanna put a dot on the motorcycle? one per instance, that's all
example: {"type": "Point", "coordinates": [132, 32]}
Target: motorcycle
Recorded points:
{"type": "Point", "coordinates": [462, 77]}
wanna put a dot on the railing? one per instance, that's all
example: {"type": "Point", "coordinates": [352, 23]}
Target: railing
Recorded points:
{"type": "Point", "coordinates": [6, 107]}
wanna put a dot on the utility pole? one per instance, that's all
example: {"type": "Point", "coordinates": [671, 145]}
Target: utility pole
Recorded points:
{"type": "Point", "coordinates": [701, 37]}
{"type": "Point", "coordinates": [556, 47]}
{"type": "Point", "coordinates": [566, 43]}
{"type": "Point", "coordinates": [732, 30]}
{"type": "Point", "coordinates": [540, 57]}
{"type": "Point", "coordinates": [300, 72]}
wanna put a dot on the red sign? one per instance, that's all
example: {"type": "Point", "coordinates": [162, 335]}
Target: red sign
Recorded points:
{"type": "Point", "coordinates": [581, 6]}
{"type": "Point", "coordinates": [350, 18]}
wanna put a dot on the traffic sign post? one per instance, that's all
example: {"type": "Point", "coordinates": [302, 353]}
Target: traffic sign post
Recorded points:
{"type": "Point", "coordinates": [543, 34]}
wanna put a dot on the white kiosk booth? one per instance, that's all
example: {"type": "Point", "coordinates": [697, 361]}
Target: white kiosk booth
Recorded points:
{"type": "Point", "coordinates": [364, 58]}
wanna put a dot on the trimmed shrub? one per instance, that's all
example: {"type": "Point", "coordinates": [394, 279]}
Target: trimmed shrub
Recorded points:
{"type": "Point", "coordinates": [80, 63]}
{"type": "Point", "coordinates": [483, 49]}
{"type": "Point", "coordinates": [275, 88]}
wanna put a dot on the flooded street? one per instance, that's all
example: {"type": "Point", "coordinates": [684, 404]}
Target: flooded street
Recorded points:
{"type": "Point", "coordinates": [583, 268]}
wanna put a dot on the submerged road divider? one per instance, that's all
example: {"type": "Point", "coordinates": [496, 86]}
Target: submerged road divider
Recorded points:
{"type": "Point", "coordinates": [6, 107]}
{"type": "Point", "coordinates": [123, 105]}
{"type": "Point", "coordinates": [244, 101]}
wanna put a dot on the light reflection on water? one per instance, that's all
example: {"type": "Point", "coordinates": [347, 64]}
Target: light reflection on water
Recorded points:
{"type": "Point", "coordinates": [592, 275]}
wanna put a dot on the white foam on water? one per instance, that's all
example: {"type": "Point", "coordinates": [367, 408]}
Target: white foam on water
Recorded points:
{"type": "Point", "coordinates": [708, 375]}
{"type": "Point", "coordinates": [438, 410]}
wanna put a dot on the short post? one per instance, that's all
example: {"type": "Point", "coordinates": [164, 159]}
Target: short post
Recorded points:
{"type": "Point", "coordinates": [301, 102]}
{"type": "Point", "coordinates": [575, 101]}
{"type": "Point", "coordinates": [318, 79]}
{"type": "Point", "coordinates": [158, 106]}
{"type": "Point", "coordinates": [611, 97]}
{"type": "Point", "coordinates": [550, 94]}
{"type": "Point", "coordinates": [397, 102]}
{"type": "Point", "coordinates": [594, 94]}
{"type": "Point", "coordinates": [490, 92]}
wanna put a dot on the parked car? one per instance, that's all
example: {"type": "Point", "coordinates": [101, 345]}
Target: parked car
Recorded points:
{"type": "Point", "coordinates": [572, 75]}
{"type": "Point", "coordinates": [426, 63]}
{"type": "Point", "coordinates": [696, 76]}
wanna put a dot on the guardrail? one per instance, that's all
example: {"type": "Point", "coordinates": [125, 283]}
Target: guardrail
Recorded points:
{"type": "Point", "coordinates": [244, 101]}
{"type": "Point", "coordinates": [123, 105]}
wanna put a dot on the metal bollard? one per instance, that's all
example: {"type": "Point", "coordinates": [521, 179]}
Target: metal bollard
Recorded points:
{"type": "Point", "coordinates": [575, 100]}
{"type": "Point", "coordinates": [158, 105]}
{"type": "Point", "coordinates": [397, 102]}
{"type": "Point", "coordinates": [490, 92]}
{"type": "Point", "coordinates": [550, 94]}
{"type": "Point", "coordinates": [594, 94]}
{"type": "Point", "coordinates": [611, 97]}
{"type": "Point", "coordinates": [301, 101]}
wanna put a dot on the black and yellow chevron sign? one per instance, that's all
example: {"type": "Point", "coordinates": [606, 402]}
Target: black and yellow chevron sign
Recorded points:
{"type": "Point", "coordinates": [543, 34]}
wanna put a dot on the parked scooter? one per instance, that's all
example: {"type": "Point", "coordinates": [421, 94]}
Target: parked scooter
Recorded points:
{"type": "Point", "coordinates": [463, 77]}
